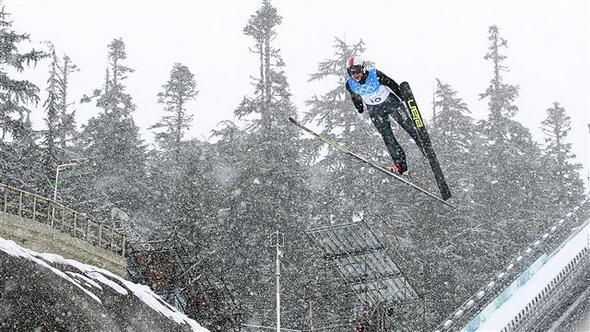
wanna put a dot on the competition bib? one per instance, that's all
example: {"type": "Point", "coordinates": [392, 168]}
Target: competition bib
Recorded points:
{"type": "Point", "coordinates": [372, 92]}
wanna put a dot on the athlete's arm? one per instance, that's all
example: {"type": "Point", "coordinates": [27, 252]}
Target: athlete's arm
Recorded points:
{"type": "Point", "coordinates": [356, 99]}
{"type": "Point", "coordinates": [390, 83]}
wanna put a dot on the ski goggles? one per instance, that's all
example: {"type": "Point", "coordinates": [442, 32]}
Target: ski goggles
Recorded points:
{"type": "Point", "coordinates": [355, 70]}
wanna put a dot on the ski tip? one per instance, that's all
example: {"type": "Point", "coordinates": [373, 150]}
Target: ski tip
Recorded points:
{"type": "Point", "coordinates": [292, 120]}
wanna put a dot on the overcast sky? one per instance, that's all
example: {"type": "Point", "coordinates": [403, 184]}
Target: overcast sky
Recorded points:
{"type": "Point", "coordinates": [415, 41]}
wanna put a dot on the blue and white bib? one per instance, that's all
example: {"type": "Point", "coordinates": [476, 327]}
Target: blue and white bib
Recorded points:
{"type": "Point", "coordinates": [372, 92]}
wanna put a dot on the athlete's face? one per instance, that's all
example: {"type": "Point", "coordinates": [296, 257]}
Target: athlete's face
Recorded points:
{"type": "Point", "coordinates": [356, 72]}
{"type": "Point", "coordinates": [357, 76]}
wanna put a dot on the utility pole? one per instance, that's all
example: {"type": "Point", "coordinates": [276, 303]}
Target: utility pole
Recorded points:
{"type": "Point", "coordinates": [277, 240]}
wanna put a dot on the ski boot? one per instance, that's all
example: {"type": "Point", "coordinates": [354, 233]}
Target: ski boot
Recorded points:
{"type": "Point", "coordinates": [398, 168]}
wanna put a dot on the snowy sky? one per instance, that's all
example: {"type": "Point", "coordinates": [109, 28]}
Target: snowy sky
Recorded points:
{"type": "Point", "coordinates": [415, 41]}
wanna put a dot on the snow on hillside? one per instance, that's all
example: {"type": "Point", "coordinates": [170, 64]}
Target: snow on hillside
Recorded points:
{"type": "Point", "coordinates": [97, 284]}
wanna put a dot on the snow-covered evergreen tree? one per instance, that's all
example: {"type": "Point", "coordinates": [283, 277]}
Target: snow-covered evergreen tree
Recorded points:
{"type": "Point", "coordinates": [456, 139]}
{"type": "Point", "coordinates": [334, 112]}
{"type": "Point", "coordinates": [509, 177]}
{"type": "Point", "coordinates": [179, 90]}
{"type": "Point", "coordinates": [19, 155]}
{"type": "Point", "coordinates": [111, 143]}
{"type": "Point", "coordinates": [173, 195]}
{"type": "Point", "coordinates": [563, 183]}
{"type": "Point", "coordinates": [50, 135]}
{"type": "Point", "coordinates": [66, 126]}
{"type": "Point", "coordinates": [268, 192]}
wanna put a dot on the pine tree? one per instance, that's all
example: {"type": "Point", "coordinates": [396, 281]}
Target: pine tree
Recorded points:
{"type": "Point", "coordinates": [459, 147]}
{"type": "Point", "coordinates": [59, 147]}
{"type": "Point", "coordinates": [180, 89]}
{"type": "Point", "coordinates": [334, 110]}
{"type": "Point", "coordinates": [14, 92]}
{"type": "Point", "coordinates": [452, 116]}
{"type": "Point", "coordinates": [501, 95]}
{"type": "Point", "coordinates": [508, 178]}
{"type": "Point", "coordinates": [50, 135]}
{"type": "Point", "coordinates": [19, 155]}
{"type": "Point", "coordinates": [114, 151]}
{"type": "Point", "coordinates": [456, 138]}
{"type": "Point", "coordinates": [268, 189]}
{"type": "Point", "coordinates": [170, 167]}
{"type": "Point", "coordinates": [562, 173]}
{"type": "Point", "coordinates": [20, 164]}
{"type": "Point", "coordinates": [66, 127]}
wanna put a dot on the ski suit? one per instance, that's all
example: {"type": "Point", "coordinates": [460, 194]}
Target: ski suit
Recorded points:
{"type": "Point", "coordinates": [381, 94]}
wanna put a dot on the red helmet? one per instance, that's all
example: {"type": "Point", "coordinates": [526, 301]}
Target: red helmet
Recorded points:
{"type": "Point", "coordinates": [355, 64]}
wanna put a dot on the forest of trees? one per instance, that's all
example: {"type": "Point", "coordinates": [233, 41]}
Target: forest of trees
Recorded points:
{"type": "Point", "coordinates": [222, 200]}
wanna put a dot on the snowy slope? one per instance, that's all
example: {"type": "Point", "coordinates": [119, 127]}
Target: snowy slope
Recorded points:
{"type": "Point", "coordinates": [499, 313]}
{"type": "Point", "coordinates": [49, 292]}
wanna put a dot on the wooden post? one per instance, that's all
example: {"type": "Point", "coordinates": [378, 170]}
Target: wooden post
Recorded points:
{"type": "Point", "coordinates": [49, 212]}
{"type": "Point", "coordinates": [20, 204]}
{"type": "Point", "coordinates": [75, 222]}
{"type": "Point", "coordinates": [5, 198]}
{"type": "Point", "coordinates": [34, 208]}
{"type": "Point", "coordinates": [63, 217]}
{"type": "Point", "coordinates": [99, 235]}
{"type": "Point", "coordinates": [123, 245]}
{"type": "Point", "coordinates": [52, 213]}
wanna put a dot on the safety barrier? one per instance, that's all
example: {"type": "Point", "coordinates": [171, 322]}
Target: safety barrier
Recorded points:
{"type": "Point", "coordinates": [494, 286]}
{"type": "Point", "coordinates": [57, 216]}
{"type": "Point", "coordinates": [556, 290]}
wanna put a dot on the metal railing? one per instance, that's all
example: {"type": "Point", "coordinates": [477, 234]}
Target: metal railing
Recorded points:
{"type": "Point", "coordinates": [64, 219]}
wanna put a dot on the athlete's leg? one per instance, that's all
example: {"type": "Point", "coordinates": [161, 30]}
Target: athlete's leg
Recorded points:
{"type": "Point", "coordinates": [399, 112]}
{"type": "Point", "coordinates": [381, 121]}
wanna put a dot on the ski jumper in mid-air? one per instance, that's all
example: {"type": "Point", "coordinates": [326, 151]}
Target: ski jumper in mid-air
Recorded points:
{"type": "Point", "coordinates": [381, 95]}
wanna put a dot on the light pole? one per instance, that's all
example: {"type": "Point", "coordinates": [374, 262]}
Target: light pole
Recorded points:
{"type": "Point", "coordinates": [278, 240]}
{"type": "Point", "coordinates": [57, 169]}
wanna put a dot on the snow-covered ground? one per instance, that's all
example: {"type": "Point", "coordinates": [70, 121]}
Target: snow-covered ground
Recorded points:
{"type": "Point", "coordinates": [94, 283]}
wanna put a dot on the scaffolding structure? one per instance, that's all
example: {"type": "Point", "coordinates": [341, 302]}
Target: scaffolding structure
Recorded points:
{"type": "Point", "coordinates": [179, 278]}
{"type": "Point", "coordinates": [368, 268]}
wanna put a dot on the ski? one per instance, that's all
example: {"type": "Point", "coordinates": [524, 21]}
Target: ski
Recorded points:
{"type": "Point", "coordinates": [408, 98]}
{"type": "Point", "coordinates": [382, 169]}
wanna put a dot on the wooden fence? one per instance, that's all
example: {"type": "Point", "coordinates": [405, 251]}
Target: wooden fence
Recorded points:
{"type": "Point", "coordinates": [64, 219]}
